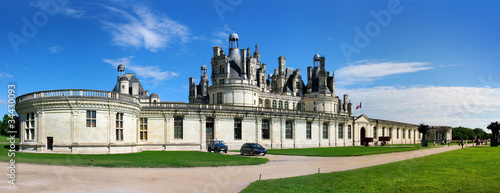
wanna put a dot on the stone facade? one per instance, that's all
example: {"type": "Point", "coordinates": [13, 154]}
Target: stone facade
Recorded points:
{"type": "Point", "coordinates": [242, 104]}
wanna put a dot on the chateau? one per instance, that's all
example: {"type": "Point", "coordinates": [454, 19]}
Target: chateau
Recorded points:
{"type": "Point", "coordinates": [241, 104]}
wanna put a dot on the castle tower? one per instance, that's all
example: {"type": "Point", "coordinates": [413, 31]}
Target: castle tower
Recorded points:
{"type": "Point", "coordinates": [121, 70]}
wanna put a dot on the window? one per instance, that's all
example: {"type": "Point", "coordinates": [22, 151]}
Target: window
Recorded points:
{"type": "Point", "coordinates": [219, 98]}
{"type": "Point", "coordinates": [289, 130]}
{"type": "Point", "coordinates": [397, 133]}
{"type": "Point", "coordinates": [237, 128]}
{"type": "Point", "coordinates": [178, 128]}
{"type": "Point", "coordinates": [349, 134]}
{"type": "Point", "coordinates": [280, 105]}
{"type": "Point", "coordinates": [383, 131]}
{"type": "Point", "coordinates": [299, 105]}
{"type": "Point", "coordinates": [274, 104]}
{"type": "Point", "coordinates": [143, 130]}
{"type": "Point", "coordinates": [265, 129]}
{"type": "Point", "coordinates": [374, 133]}
{"type": "Point", "coordinates": [30, 126]}
{"type": "Point", "coordinates": [286, 104]}
{"type": "Point", "coordinates": [403, 133]}
{"type": "Point", "coordinates": [308, 130]}
{"type": "Point", "coordinates": [325, 130]}
{"type": "Point", "coordinates": [119, 126]}
{"type": "Point", "coordinates": [91, 120]}
{"type": "Point", "coordinates": [341, 132]}
{"type": "Point", "coordinates": [390, 132]}
{"type": "Point", "coordinates": [409, 132]}
{"type": "Point", "coordinates": [293, 106]}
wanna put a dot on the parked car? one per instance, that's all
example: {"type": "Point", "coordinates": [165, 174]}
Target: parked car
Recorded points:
{"type": "Point", "coordinates": [216, 146]}
{"type": "Point", "coordinates": [252, 149]}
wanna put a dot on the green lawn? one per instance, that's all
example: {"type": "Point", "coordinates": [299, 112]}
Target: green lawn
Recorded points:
{"type": "Point", "coordinates": [4, 139]}
{"type": "Point", "coordinates": [473, 169]}
{"type": "Point", "coordinates": [340, 151]}
{"type": "Point", "coordinates": [146, 159]}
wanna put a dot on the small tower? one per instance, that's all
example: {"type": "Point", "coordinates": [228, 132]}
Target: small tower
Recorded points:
{"type": "Point", "coordinates": [234, 40]}
{"type": "Point", "coordinates": [256, 54]}
{"type": "Point", "coordinates": [121, 70]}
{"type": "Point", "coordinates": [203, 70]}
{"type": "Point", "coordinates": [316, 60]}
{"type": "Point", "coordinates": [124, 85]}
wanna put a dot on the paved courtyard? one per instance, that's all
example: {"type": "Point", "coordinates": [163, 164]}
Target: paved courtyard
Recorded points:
{"type": "Point", "coordinates": [48, 178]}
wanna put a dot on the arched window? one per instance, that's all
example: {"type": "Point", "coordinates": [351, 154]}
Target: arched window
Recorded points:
{"type": "Point", "coordinates": [286, 104]}
{"type": "Point", "coordinates": [280, 105]}
{"type": "Point", "coordinates": [274, 104]}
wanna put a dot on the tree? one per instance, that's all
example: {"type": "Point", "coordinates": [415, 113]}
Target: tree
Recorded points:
{"type": "Point", "coordinates": [462, 133]}
{"type": "Point", "coordinates": [480, 133]}
{"type": "Point", "coordinates": [5, 126]}
{"type": "Point", "coordinates": [443, 130]}
{"type": "Point", "coordinates": [423, 129]}
{"type": "Point", "coordinates": [494, 127]}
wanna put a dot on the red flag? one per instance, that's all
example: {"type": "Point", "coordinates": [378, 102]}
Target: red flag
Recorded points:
{"type": "Point", "coordinates": [359, 106]}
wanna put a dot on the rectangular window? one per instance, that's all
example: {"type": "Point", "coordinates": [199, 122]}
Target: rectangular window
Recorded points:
{"type": "Point", "coordinates": [397, 133]}
{"type": "Point", "coordinates": [299, 106]}
{"type": "Point", "coordinates": [143, 130]}
{"type": "Point", "coordinates": [390, 132]}
{"type": "Point", "coordinates": [403, 133]}
{"type": "Point", "coordinates": [341, 131]}
{"type": "Point", "coordinates": [308, 130]}
{"type": "Point", "coordinates": [237, 128]}
{"type": "Point", "coordinates": [219, 98]}
{"type": "Point", "coordinates": [119, 126]}
{"type": "Point", "coordinates": [30, 126]}
{"type": "Point", "coordinates": [91, 119]}
{"type": "Point", "coordinates": [325, 130]}
{"type": "Point", "coordinates": [349, 134]}
{"type": "Point", "coordinates": [289, 130]}
{"type": "Point", "coordinates": [374, 133]}
{"type": "Point", "coordinates": [409, 132]}
{"type": "Point", "coordinates": [265, 129]}
{"type": "Point", "coordinates": [178, 128]}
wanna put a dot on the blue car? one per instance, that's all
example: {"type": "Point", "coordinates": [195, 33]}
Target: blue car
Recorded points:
{"type": "Point", "coordinates": [252, 149]}
{"type": "Point", "coordinates": [216, 146]}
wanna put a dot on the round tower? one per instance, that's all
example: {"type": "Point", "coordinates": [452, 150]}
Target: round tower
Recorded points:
{"type": "Point", "coordinates": [121, 70]}
{"type": "Point", "coordinates": [234, 40]}
{"type": "Point", "coordinates": [124, 85]}
{"type": "Point", "coordinates": [316, 60]}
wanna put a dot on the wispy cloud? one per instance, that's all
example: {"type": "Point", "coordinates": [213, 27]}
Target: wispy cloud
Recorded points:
{"type": "Point", "coordinates": [143, 27]}
{"type": "Point", "coordinates": [5, 75]}
{"type": "Point", "coordinates": [454, 106]}
{"type": "Point", "coordinates": [55, 49]}
{"type": "Point", "coordinates": [371, 70]}
{"type": "Point", "coordinates": [63, 8]}
{"type": "Point", "coordinates": [153, 73]}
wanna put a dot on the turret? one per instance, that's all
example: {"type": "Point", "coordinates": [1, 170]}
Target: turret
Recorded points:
{"type": "Point", "coordinates": [346, 99]}
{"type": "Point", "coordinates": [256, 54]}
{"type": "Point", "coordinates": [124, 84]}
{"type": "Point", "coordinates": [282, 65]}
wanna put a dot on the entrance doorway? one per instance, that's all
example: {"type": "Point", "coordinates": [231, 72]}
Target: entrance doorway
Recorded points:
{"type": "Point", "coordinates": [50, 143]}
{"type": "Point", "coordinates": [210, 129]}
{"type": "Point", "coordinates": [363, 136]}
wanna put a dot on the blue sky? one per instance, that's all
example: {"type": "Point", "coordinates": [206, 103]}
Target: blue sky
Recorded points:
{"type": "Point", "coordinates": [411, 61]}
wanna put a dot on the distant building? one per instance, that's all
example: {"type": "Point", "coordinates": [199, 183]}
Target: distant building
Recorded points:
{"type": "Point", "coordinates": [242, 104]}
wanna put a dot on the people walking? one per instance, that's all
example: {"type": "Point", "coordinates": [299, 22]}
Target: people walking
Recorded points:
{"type": "Point", "coordinates": [462, 143]}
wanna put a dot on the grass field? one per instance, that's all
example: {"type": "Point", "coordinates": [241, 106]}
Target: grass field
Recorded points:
{"type": "Point", "coordinates": [4, 139]}
{"type": "Point", "coordinates": [340, 151]}
{"type": "Point", "coordinates": [146, 159]}
{"type": "Point", "coordinates": [473, 169]}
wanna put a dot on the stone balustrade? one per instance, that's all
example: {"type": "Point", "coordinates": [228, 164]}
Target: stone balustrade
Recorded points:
{"type": "Point", "coordinates": [77, 93]}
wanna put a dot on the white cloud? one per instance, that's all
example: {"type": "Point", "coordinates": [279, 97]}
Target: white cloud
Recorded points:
{"type": "Point", "coordinates": [55, 49]}
{"type": "Point", "coordinates": [61, 8]}
{"type": "Point", "coordinates": [152, 73]}
{"type": "Point", "coordinates": [371, 70]}
{"type": "Point", "coordinates": [5, 75]}
{"type": "Point", "coordinates": [143, 28]}
{"type": "Point", "coordinates": [453, 106]}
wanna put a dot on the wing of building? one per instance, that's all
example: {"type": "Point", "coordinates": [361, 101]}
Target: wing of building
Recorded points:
{"type": "Point", "coordinates": [243, 103]}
